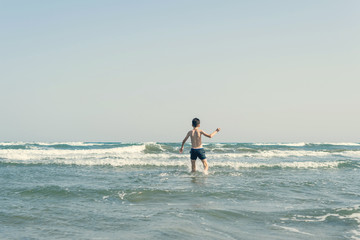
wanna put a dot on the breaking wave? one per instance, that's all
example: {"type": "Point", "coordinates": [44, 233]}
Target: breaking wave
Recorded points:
{"type": "Point", "coordinates": [233, 155]}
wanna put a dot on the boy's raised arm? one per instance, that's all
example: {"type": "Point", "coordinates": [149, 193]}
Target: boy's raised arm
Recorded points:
{"type": "Point", "coordinates": [210, 135]}
{"type": "Point", "coordinates": [183, 142]}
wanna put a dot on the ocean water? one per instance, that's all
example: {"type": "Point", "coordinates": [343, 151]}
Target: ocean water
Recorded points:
{"type": "Point", "coordinates": [111, 190]}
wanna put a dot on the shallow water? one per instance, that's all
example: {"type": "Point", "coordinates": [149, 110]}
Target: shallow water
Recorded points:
{"type": "Point", "coordinates": [145, 190]}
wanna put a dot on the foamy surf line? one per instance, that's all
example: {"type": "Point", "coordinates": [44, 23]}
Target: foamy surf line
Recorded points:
{"type": "Point", "coordinates": [140, 152]}
{"type": "Point", "coordinates": [348, 213]}
{"type": "Point", "coordinates": [302, 144]}
{"type": "Point", "coordinates": [182, 163]}
{"type": "Point", "coordinates": [53, 143]}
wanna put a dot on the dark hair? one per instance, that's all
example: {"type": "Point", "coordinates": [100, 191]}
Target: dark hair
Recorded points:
{"type": "Point", "coordinates": [195, 122]}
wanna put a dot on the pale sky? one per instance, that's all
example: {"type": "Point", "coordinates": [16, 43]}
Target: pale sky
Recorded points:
{"type": "Point", "coordinates": [263, 71]}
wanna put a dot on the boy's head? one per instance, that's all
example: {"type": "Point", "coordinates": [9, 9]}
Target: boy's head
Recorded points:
{"type": "Point", "coordinates": [195, 122]}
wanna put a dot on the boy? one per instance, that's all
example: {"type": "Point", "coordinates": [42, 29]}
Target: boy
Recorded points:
{"type": "Point", "coordinates": [197, 149]}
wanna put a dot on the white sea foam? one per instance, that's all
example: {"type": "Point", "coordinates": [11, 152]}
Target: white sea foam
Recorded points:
{"type": "Point", "coordinates": [291, 229]}
{"type": "Point", "coordinates": [154, 154]}
{"type": "Point", "coordinates": [146, 152]}
{"type": "Point", "coordinates": [137, 152]}
{"type": "Point", "coordinates": [354, 208]}
{"type": "Point", "coordinates": [51, 143]}
{"type": "Point", "coordinates": [294, 144]}
{"type": "Point", "coordinates": [66, 143]}
{"type": "Point", "coordinates": [11, 143]}
{"type": "Point", "coordinates": [35, 154]}
{"type": "Point", "coordinates": [305, 165]}
{"type": "Point", "coordinates": [277, 153]}
{"type": "Point", "coordinates": [161, 160]}
{"type": "Point", "coordinates": [301, 218]}
{"type": "Point", "coordinates": [300, 144]}
{"type": "Point", "coordinates": [347, 213]}
{"type": "Point", "coordinates": [355, 154]}
{"type": "Point", "coordinates": [341, 143]}
{"type": "Point", "coordinates": [356, 234]}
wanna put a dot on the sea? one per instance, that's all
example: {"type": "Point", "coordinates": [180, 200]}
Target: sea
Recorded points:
{"type": "Point", "coordinates": [145, 190]}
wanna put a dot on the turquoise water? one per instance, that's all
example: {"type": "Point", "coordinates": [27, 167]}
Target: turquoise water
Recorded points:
{"type": "Point", "coordinates": [82, 190]}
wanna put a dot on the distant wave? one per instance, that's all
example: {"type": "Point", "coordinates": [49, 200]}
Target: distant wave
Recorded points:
{"type": "Point", "coordinates": [141, 152]}
{"type": "Point", "coordinates": [50, 143]}
{"type": "Point", "coordinates": [172, 147]}
{"type": "Point", "coordinates": [186, 164]}
{"type": "Point", "coordinates": [339, 144]}
{"type": "Point", "coordinates": [166, 155]}
{"type": "Point", "coordinates": [165, 151]}
{"type": "Point", "coordinates": [302, 144]}
{"type": "Point", "coordinates": [350, 214]}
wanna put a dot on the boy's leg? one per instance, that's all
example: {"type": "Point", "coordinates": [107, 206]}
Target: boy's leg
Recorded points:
{"type": "Point", "coordinates": [193, 165]}
{"type": "Point", "coordinates": [206, 166]}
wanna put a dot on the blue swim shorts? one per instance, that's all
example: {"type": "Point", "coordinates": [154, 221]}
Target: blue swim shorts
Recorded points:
{"type": "Point", "coordinates": [197, 153]}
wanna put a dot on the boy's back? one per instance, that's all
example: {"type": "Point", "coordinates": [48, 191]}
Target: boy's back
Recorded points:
{"type": "Point", "coordinates": [197, 150]}
{"type": "Point", "coordinates": [195, 136]}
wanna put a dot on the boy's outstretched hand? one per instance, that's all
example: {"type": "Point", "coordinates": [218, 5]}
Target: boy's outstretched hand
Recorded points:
{"type": "Point", "coordinates": [218, 129]}
{"type": "Point", "coordinates": [181, 150]}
